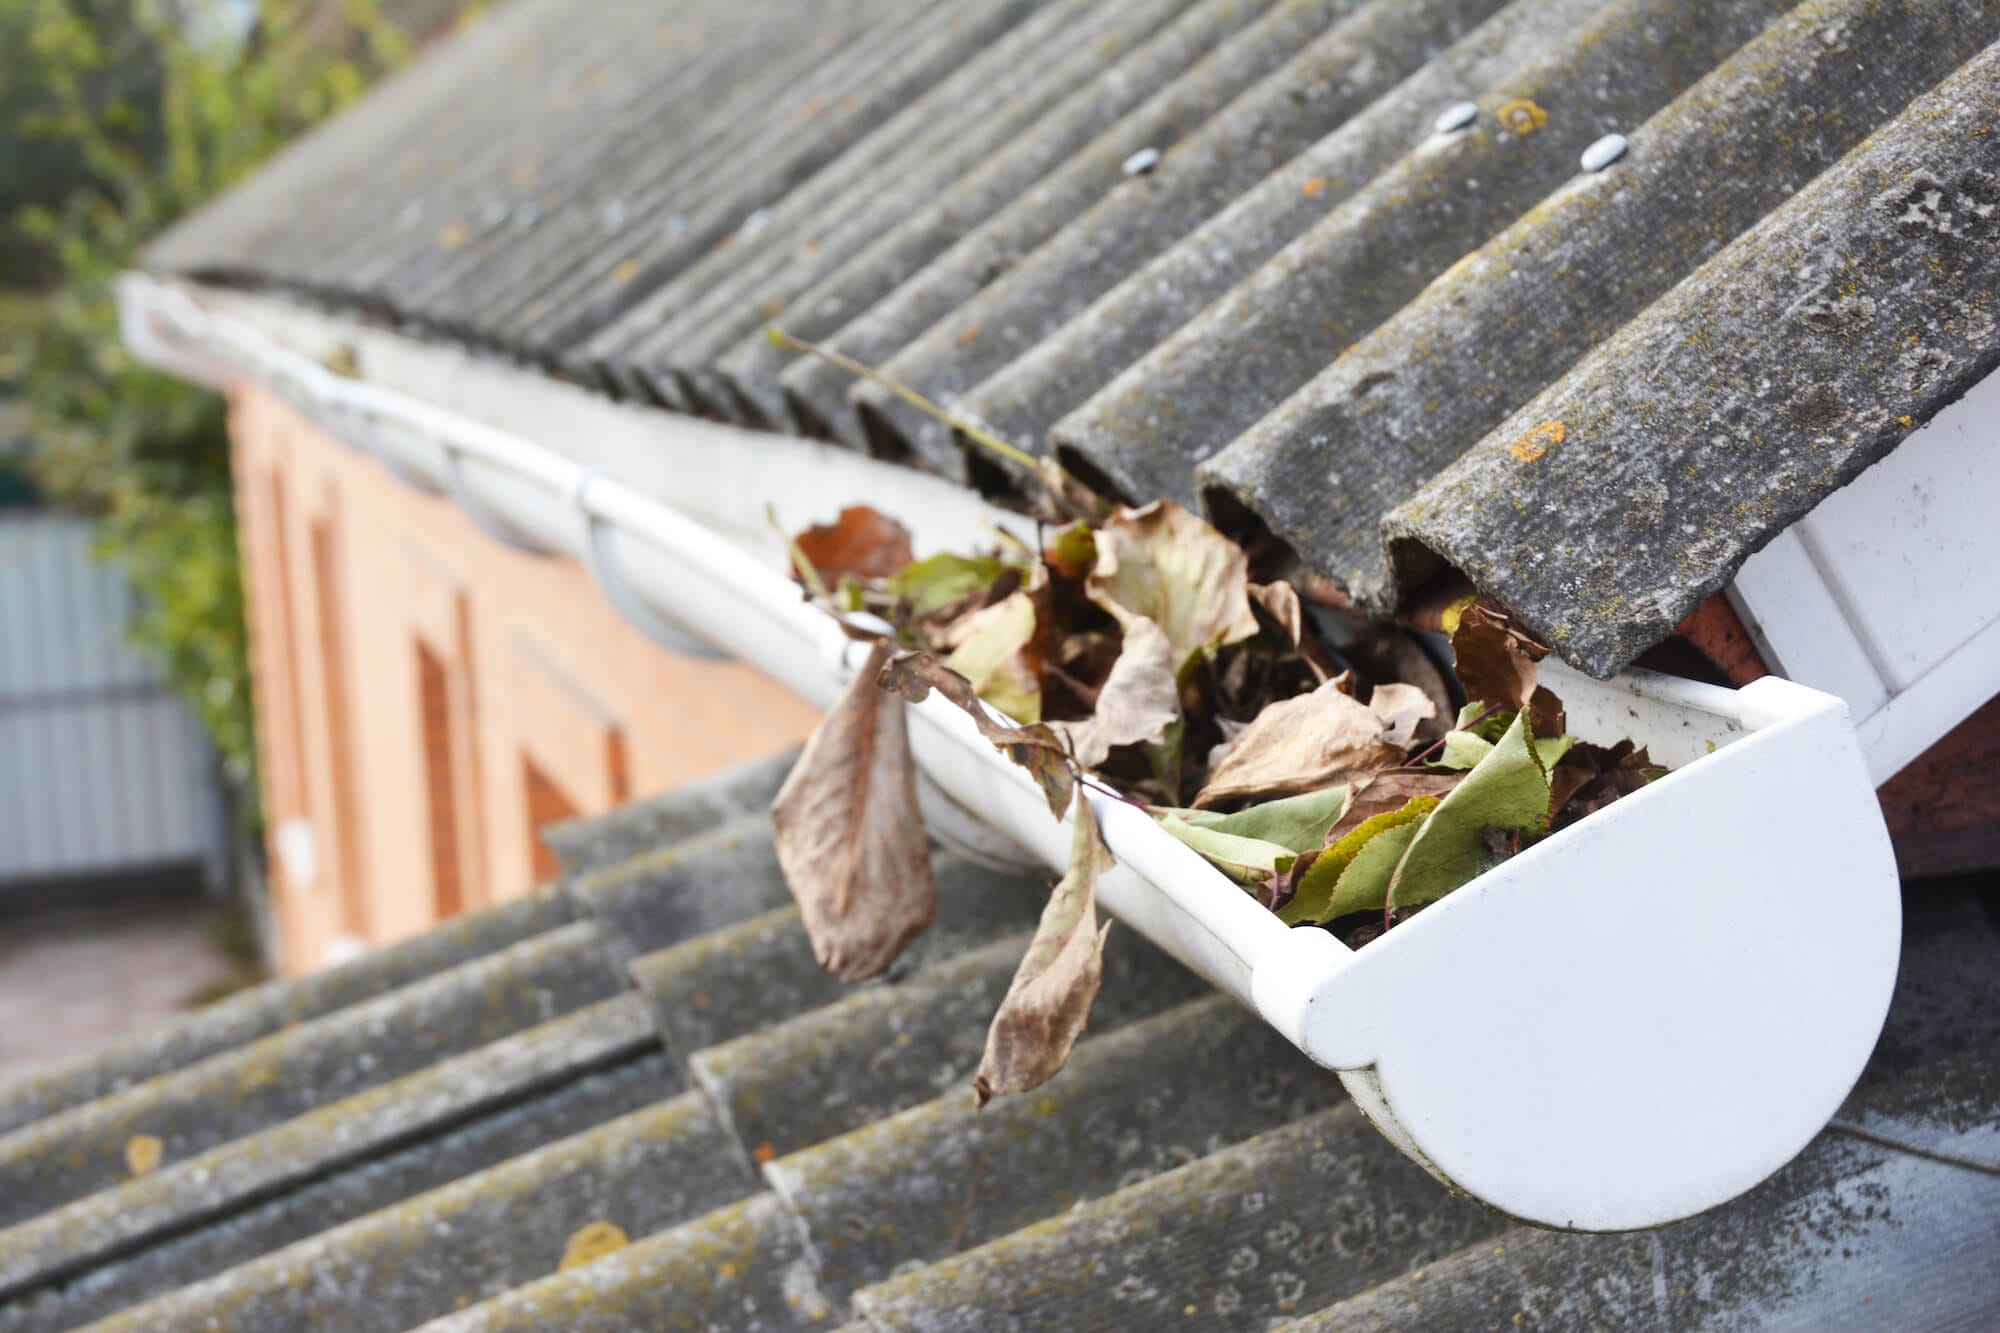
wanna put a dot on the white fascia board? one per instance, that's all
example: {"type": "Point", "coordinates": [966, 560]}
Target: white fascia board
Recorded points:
{"type": "Point", "coordinates": [1885, 594]}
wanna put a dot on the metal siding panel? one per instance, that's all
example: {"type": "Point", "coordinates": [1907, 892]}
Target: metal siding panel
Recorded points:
{"type": "Point", "coordinates": [101, 768]}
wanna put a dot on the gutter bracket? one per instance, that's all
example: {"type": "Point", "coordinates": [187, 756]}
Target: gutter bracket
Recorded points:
{"type": "Point", "coordinates": [475, 507]}
{"type": "Point", "coordinates": [610, 577]}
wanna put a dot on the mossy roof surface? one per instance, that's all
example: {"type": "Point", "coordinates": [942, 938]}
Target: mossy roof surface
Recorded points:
{"type": "Point", "coordinates": [536, 1118]}
{"type": "Point", "coordinates": [1226, 251]}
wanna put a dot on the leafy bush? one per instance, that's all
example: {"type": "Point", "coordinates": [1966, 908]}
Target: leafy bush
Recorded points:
{"type": "Point", "coordinates": [155, 118]}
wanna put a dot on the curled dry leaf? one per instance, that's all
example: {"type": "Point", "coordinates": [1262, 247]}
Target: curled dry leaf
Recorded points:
{"type": "Point", "coordinates": [1139, 702]}
{"type": "Point", "coordinates": [1403, 710]}
{"type": "Point", "coordinates": [1163, 563]}
{"type": "Point", "coordinates": [1386, 652]}
{"type": "Point", "coordinates": [1588, 777]}
{"type": "Point", "coordinates": [1301, 744]}
{"type": "Point", "coordinates": [1034, 747]}
{"type": "Point", "coordinates": [849, 836]}
{"type": "Point", "coordinates": [1279, 605]}
{"type": "Point", "coordinates": [1049, 1000]}
{"type": "Point", "coordinates": [992, 652]}
{"type": "Point", "coordinates": [1494, 659]}
{"type": "Point", "coordinates": [862, 543]}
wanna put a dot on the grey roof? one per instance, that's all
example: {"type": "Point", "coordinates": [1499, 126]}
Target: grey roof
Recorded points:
{"type": "Point", "coordinates": [1315, 312]}
{"type": "Point", "coordinates": [445, 1134]}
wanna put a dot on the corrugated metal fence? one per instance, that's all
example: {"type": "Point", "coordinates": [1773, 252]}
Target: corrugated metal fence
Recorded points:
{"type": "Point", "coordinates": [103, 771]}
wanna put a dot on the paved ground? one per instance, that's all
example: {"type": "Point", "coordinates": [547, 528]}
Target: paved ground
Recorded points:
{"type": "Point", "coordinates": [72, 981]}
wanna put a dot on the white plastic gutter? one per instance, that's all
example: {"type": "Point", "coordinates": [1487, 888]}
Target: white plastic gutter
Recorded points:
{"type": "Point", "coordinates": [1634, 1020]}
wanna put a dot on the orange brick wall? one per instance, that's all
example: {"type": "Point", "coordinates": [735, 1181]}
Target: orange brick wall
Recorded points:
{"type": "Point", "coordinates": [426, 695]}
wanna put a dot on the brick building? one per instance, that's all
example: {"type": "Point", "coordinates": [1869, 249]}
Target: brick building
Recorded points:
{"type": "Point", "coordinates": [427, 697]}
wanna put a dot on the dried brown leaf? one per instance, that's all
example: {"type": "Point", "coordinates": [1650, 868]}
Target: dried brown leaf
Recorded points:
{"type": "Point", "coordinates": [1494, 658]}
{"type": "Point", "coordinates": [1301, 744]}
{"type": "Point", "coordinates": [1390, 653]}
{"type": "Point", "coordinates": [850, 838]}
{"type": "Point", "coordinates": [1139, 701]}
{"type": "Point", "coordinates": [1278, 604]}
{"type": "Point", "coordinates": [863, 543]}
{"type": "Point", "coordinates": [1391, 789]}
{"type": "Point", "coordinates": [1589, 777]}
{"type": "Point", "coordinates": [1403, 710]}
{"type": "Point", "coordinates": [1049, 1000]}
{"type": "Point", "coordinates": [1163, 563]}
{"type": "Point", "coordinates": [1035, 747]}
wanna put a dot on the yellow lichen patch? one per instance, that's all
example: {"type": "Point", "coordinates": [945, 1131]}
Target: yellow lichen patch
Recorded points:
{"type": "Point", "coordinates": [1907, 422]}
{"type": "Point", "coordinates": [590, 1243]}
{"type": "Point", "coordinates": [452, 235]}
{"type": "Point", "coordinates": [627, 270]}
{"type": "Point", "coordinates": [1535, 441]}
{"type": "Point", "coordinates": [143, 1153]}
{"type": "Point", "coordinates": [766, 1152]}
{"type": "Point", "coordinates": [1314, 186]}
{"type": "Point", "coordinates": [1522, 116]}
{"type": "Point", "coordinates": [968, 335]}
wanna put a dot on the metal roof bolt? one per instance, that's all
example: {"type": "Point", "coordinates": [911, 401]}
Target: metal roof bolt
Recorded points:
{"type": "Point", "coordinates": [1604, 152]}
{"type": "Point", "coordinates": [1457, 116]}
{"type": "Point", "coordinates": [1142, 162]}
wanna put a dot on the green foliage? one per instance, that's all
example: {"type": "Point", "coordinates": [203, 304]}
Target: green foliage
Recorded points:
{"type": "Point", "coordinates": [145, 453]}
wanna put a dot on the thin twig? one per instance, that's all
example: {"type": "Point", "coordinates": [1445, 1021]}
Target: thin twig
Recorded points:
{"type": "Point", "coordinates": [1438, 744]}
{"type": "Point", "coordinates": [1112, 792]}
{"type": "Point", "coordinates": [971, 430]}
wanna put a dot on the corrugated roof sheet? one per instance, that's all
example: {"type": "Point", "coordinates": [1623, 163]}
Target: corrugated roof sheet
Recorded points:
{"type": "Point", "coordinates": [633, 1101]}
{"type": "Point", "coordinates": [1393, 340]}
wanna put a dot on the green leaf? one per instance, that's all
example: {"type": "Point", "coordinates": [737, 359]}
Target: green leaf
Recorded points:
{"type": "Point", "coordinates": [937, 581]}
{"type": "Point", "coordinates": [1073, 550]}
{"type": "Point", "coordinates": [1314, 899]}
{"type": "Point", "coordinates": [1297, 823]}
{"type": "Point", "coordinates": [1508, 790]}
{"type": "Point", "coordinates": [1462, 749]}
{"type": "Point", "coordinates": [1245, 860]}
{"type": "Point", "coordinates": [1364, 885]}
{"type": "Point", "coordinates": [1551, 749]}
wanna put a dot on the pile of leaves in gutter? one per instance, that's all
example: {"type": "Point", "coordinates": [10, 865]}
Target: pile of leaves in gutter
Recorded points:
{"type": "Point", "coordinates": [1134, 654]}
{"type": "Point", "coordinates": [1142, 654]}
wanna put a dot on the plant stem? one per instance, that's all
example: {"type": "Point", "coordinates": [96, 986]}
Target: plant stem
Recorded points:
{"type": "Point", "coordinates": [971, 430]}
{"type": "Point", "coordinates": [1438, 744]}
{"type": "Point", "coordinates": [1116, 795]}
